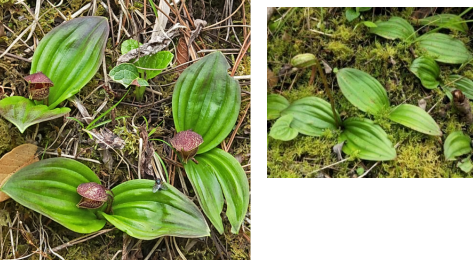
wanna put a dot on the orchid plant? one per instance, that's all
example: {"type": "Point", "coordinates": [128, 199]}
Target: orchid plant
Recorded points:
{"type": "Point", "coordinates": [65, 60]}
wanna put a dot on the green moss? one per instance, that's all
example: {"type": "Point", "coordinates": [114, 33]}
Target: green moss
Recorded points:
{"type": "Point", "coordinates": [414, 160]}
{"type": "Point", "coordinates": [10, 137]}
{"type": "Point", "coordinates": [388, 61]}
{"type": "Point", "coordinates": [344, 33]}
{"type": "Point", "coordinates": [340, 51]}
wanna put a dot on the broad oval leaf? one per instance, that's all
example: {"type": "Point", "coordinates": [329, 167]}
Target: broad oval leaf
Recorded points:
{"type": "Point", "coordinates": [127, 74]}
{"type": "Point", "coordinates": [465, 165]}
{"type": "Point", "coordinates": [369, 24]}
{"type": "Point", "coordinates": [462, 83]}
{"type": "Point", "coordinates": [208, 190]}
{"type": "Point", "coordinates": [49, 188]}
{"type": "Point", "coordinates": [129, 45]}
{"type": "Point", "coordinates": [444, 48]}
{"type": "Point", "coordinates": [155, 63]}
{"type": "Point", "coordinates": [70, 55]}
{"type": "Point", "coordinates": [366, 140]}
{"type": "Point", "coordinates": [415, 118]}
{"type": "Point", "coordinates": [207, 100]}
{"type": "Point", "coordinates": [312, 116]}
{"type": "Point", "coordinates": [276, 104]}
{"type": "Point", "coordinates": [362, 90]}
{"type": "Point", "coordinates": [394, 28]}
{"type": "Point", "coordinates": [143, 214]}
{"type": "Point", "coordinates": [427, 70]}
{"type": "Point", "coordinates": [456, 144]}
{"type": "Point", "coordinates": [282, 130]}
{"type": "Point", "coordinates": [362, 9]}
{"type": "Point", "coordinates": [232, 181]}
{"type": "Point", "coordinates": [351, 13]}
{"type": "Point", "coordinates": [450, 21]}
{"type": "Point", "coordinates": [23, 112]}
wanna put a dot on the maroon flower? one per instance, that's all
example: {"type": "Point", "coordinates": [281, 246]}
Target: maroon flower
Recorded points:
{"type": "Point", "coordinates": [93, 195]}
{"type": "Point", "coordinates": [39, 85]}
{"type": "Point", "coordinates": [187, 143]}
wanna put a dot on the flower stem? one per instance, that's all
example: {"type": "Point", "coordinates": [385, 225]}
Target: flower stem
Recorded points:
{"type": "Point", "coordinates": [327, 90]}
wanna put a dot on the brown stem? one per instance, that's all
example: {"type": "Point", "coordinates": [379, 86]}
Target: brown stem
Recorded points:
{"type": "Point", "coordinates": [109, 209]}
{"type": "Point", "coordinates": [312, 76]}
{"type": "Point", "coordinates": [327, 90]}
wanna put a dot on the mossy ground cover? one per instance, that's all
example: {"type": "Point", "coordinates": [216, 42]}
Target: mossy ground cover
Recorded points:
{"type": "Point", "coordinates": [327, 33]}
{"type": "Point", "coordinates": [67, 138]}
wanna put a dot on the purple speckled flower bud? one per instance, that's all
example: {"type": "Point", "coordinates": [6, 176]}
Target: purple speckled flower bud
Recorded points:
{"type": "Point", "coordinates": [93, 195]}
{"type": "Point", "coordinates": [187, 143]}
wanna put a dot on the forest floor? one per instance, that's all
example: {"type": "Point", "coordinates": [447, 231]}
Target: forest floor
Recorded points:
{"type": "Point", "coordinates": [338, 43]}
{"type": "Point", "coordinates": [230, 21]}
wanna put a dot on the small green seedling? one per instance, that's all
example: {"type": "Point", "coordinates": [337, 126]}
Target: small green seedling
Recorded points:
{"type": "Point", "coordinates": [141, 70]}
{"type": "Point", "coordinates": [352, 13]}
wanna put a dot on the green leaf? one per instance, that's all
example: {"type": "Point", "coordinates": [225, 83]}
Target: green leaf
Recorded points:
{"type": "Point", "coordinates": [276, 104]}
{"type": "Point", "coordinates": [362, 9]}
{"type": "Point", "coordinates": [466, 165]}
{"type": "Point", "coordinates": [312, 116]}
{"type": "Point", "coordinates": [362, 90]}
{"type": "Point", "coordinates": [462, 83]}
{"type": "Point", "coordinates": [23, 112]}
{"type": "Point", "coordinates": [143, 214]}
{"type": "Point", "coordinates": [366, 140]}
{"type": "Point", "coordinates": [303, 60]}
{"type": "Point", "coordinates": [444, 48]}
{"type": "Point", "coordinates": [49, 188]}
{"type": "Point", "coordinates": [207, 100]}
{"type": "Point", "coordinates": [450, 21]}
{"type": "Point", "coordinates": [427, 70]}
{"type": "Point", "coordinates": [415, 118]}
{"type": "Point", "coordinates": [394, 28]}
{"type": "Point", "coordinates": [208, 190]}
{"type": "Point", "coordinates": [219, 165]}
{"type": "Point", "coordinates": [156, 63]}
{"type": "Point", "coordinates": [351, 14]}
{"type": "Point", "coordinates": [456, 144]}
{"type": "Point", "coordinates": [282, 130]}
{"type": "Point", "coordinates": [126, 74]}
{"type": "Point", "coordinates": [274, 26]}
{"type": "Point", "coordinates": [129, 45]}
{"type": "Point", "coordinates": [369, 24]}
{"type": "Point", "coordinates": [70, 55]}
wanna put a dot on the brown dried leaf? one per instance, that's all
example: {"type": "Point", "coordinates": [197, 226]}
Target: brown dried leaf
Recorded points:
{"type": "Point", "coordinates": [423, 12]}
{"type": "Point", "coordinates": [147, 153]}
{"type": "Point", "coordinates": [16, 159]}
{"type": "Point", "coordinates": [182, 53]}
{"type": "Point", "coordinates": [272, 79]}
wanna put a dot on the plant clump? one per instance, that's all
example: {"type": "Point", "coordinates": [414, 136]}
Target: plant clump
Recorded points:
{"type": "Point", "coordinates": [386, 55]}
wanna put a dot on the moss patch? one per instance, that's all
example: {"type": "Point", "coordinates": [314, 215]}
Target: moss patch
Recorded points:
{"type": "Point", "coordinates": [326, 33]}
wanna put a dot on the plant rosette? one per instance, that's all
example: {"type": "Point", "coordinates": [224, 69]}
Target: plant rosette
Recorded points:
{"type": "Point", "coordinates": [70, 55]}
{"type": "Point", "coordinates": [207, 100]}
{"type": "Point", "coordinates": [70, 193]}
